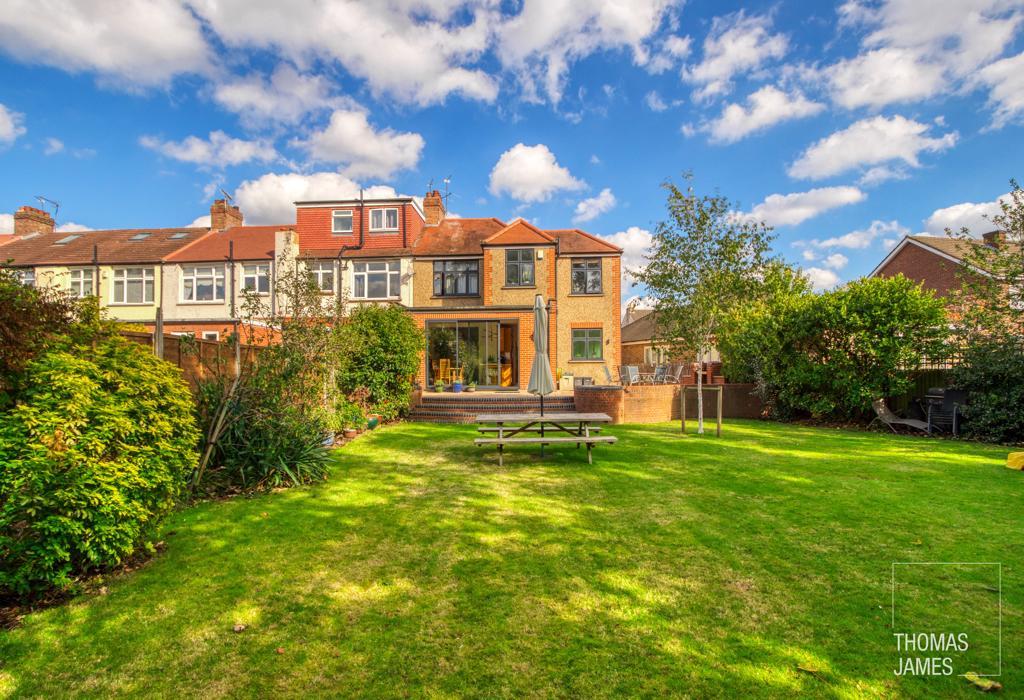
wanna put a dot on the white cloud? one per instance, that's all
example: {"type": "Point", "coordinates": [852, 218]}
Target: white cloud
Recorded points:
{"type": "Point", "coordinates": [882, 173]}
{"type": "Point", "coordinates": [362, 151]}
{"type": "Point", "coordinates": [270, 199]}
{"type": "Point", "coordinates": [821, 279]}
{"type": "Point", "coordinates": [72, 227]}
{"type": "Point", "coordinates": [594, 160]}
{"type": "Point", "coordinates": [217, 151]}
{"type": "Point", "coordinates": [1005, 79]}
{"type": "Point", "coordinates": [540, 43]}
{"type": "Point", "coordinates": [809, 255]}
{"type": "Point", "coordinates": [735, 44]}
{"type": "Point", "coordinates": [202, 221]}
{"type": "Point", "coordinates": [11, 125]}
{"type": "Point", "coordinates": [531, 174]}
{"type": "Point", "coordinates": [132, 42]}
{"type": "Point", "coordinates": [593, 207]}
{"type": "Point", "coordinates": [974, 216]}
{"type": "Point", "coordinates": [884, 76]}
{"type": "Point", "coordinates": [672, 50]}
{"type": "Point", "coordinates": [286, 96]}
{"type": "Point", "coordinates": [53, 146]}
{"type": "Point", "coordinates": [889, 243]}
{"type": "Point", "coordinates": [6, 224]}
{"type": "Point", "coordinates": [862, 238]}
{"type": "Point", "coordinates": [797, 207]}
{"type": "Point", "coordinates": [654, 102]}
{"type": "Point", "coordinates": [636, 244]}
{"type": "Point", "coordinates": [764, 108]}
{"type": "Point", "coordinates": [835, 261]}
{"type": "Point", "coordinates": [871, 141]}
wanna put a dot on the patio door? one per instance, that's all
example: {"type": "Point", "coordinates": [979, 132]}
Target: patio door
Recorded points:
{"type": "Point", "coordinates": [472, 351]}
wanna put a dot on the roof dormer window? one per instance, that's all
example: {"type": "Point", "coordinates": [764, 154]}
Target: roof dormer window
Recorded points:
{"type": "Point", "coordinates": [341, 221]}
{"type": "Point", "coordinates": [384, 219]}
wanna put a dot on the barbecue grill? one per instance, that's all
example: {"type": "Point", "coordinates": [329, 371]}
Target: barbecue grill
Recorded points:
{"type": "Point", "coordinates": [942, 406]}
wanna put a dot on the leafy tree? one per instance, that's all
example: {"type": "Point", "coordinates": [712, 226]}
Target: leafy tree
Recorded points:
{"type": "Point", "coordinates": [704, 261]}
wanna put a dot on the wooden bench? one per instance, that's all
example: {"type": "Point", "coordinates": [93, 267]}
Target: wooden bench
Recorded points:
{"type": "Point", "coordinates": [532, 429]}
{"type": "Point", "coordinates": [581, 439]}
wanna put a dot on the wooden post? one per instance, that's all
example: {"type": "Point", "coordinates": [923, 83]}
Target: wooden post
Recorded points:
{"type": "Point", "coordinates": [158, 333]}
{"type": "Point", "coordinates": [682, 407]}
{"type": "Point", "coordinates": [718, 415]}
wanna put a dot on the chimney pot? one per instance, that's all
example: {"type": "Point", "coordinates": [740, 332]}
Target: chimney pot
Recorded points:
{"type": "Point", "coordinates": [28, 220]}
{"type": "Point", "coordinates": [994, 239]}
{"type": "Point", "coordinates": [224, 216]}
{"type": "Point", "coordinates": [433, 208]}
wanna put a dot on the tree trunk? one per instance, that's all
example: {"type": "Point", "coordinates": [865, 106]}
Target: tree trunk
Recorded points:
{"type": "Point", "coordinates": [700, 391]}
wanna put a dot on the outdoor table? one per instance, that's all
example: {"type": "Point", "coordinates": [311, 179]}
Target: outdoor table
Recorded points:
{"type": "Point", "coordinates": [560, 427]}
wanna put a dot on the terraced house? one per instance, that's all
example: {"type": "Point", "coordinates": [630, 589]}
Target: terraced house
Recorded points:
{"type": "Point", "coordinates": [469, 283]}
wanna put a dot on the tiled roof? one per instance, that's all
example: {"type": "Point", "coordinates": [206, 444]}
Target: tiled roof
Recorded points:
{"type": "Point", "coordinates": [641, 329]}
{"type": "Point", "coordinates": [113, 246]}
{"type": "Point", "coordinates": [575, 241]}
{"type": "Point", "coordinates": [456, 237]}
{"type": "Point", "coordinates": [250, 243]}
{"type": "Point", "coordinates": [950, 246]}
{"type": "Point", "coordinates": [520, 232]}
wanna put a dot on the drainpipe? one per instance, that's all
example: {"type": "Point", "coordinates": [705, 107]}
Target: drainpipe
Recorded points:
{"type": "Point", "coordinates": [231, 267]}
{"type": "Point", "coordinates": [362, 218]}
{"type": "Point", "coordinates": [96, 272]}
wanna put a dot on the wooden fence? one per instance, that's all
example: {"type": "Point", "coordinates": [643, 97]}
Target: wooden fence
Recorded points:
{"type": "Point", "coordinates": [197, 358]}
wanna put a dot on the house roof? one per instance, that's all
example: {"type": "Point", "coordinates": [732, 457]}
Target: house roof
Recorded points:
{"type": "Point", "coordinates": [952, 249]}
{"type": "Point", "coordinates": [580, 242]}
{"type": "Point", "coordinates": [520, 232]}
{"type": "Point", "coordinates": [643, 328]}
{"type": "Point", "coordinates": [248, 243]}
{"type": "Point", "coordinates": [457, 236]}
{"type": "Point", "coordinates": [111, 246]}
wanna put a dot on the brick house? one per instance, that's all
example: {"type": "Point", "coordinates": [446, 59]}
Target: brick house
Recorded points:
{"type": "Point", "coordinates": [934, 261]}
{"type": "Point", "coordinates": [470, 284]}
{"type": "Point", "coordinates": [640, 346]}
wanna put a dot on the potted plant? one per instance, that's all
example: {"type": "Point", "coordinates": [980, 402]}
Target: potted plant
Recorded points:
{"type": "Point", "coordinates": [439, 387]}
{"type": "Point", "coordinates": [471, 387]}
{"type": "Point", "coordinates": [350, 415]}
{"type": "Point", "coordinates": [457, 387]}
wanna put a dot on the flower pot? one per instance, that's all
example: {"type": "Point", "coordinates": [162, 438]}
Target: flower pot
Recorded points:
{"type": "Point", "coordinates": [457, 387]}
{"type": "Point", "coordinates": [470, 388]}
{"type": "Point", "coordinates": [372, 422]}
{"type": "Point", "coordinates": [350, 433]}
{"type": "Point", "coordinates": [439, 388]}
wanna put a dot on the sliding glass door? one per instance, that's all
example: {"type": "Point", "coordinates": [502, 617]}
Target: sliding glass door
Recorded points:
{"type": "Point", "coordinates": [471, 352]}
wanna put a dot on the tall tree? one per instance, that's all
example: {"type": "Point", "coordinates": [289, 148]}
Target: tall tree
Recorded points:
{"type": "Point", "coordinates": [704, 261]}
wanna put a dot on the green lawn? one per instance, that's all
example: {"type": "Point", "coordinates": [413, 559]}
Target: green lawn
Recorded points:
{"type": "Point", "coordinates": [674, 565]}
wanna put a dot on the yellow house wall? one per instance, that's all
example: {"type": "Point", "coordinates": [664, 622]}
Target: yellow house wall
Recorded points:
{"type": "Point", "coordinates": [589, 311]}
{"type": "Point", "coordinates": [520, 296]}
{"type": "Point", "coordinates": [129, 312]}
{"type": "Point", "coordinates": [422, 287]}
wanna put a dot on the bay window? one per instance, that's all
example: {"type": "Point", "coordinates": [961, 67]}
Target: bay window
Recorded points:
{"type": "Point", "coordinates": [202, 283]}
{"type": "Point", "coordinates": [376, 280]}
{"type": "Point", "coordinates": [132, 285]}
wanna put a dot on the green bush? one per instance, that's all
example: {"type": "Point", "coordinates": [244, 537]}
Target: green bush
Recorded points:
{"type": "Point", "coordinates": [992, 371]}
{"type": "Point", "coordinates": [832, 354]}
{"type": "Point", "coordinates": [94, 454]}
{"type": "Point", "coordinates": [381, 348]}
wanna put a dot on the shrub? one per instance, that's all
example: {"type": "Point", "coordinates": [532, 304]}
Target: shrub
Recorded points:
{"type": "Point", "coordinates": [992, 371]}
{"type": "Point", "coordinates": [381, 348]}
{"type": "Point", "coordinates": [93, 456]}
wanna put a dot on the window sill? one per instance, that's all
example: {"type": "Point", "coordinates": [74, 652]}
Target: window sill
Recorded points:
{"type": "Point", "coordinates": [384, 230]}
{"type": "Point", "coordinates": [586, 294]}
{"type": "Point", "coordinates": [375, 298]}
{"type": "Point", "coordinates": [212, 302]}
{"type": "Point", "coordinates": [586, 362]}
{"type": "Point", "coordinates": [455, 296]}
{"type": "Point", "coordinates": [131, 303]}
{"type": "Point", "coordinates": [519, 286]}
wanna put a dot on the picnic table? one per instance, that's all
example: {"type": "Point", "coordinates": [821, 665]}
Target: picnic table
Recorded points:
{"type": "Point", "coordinates": [534, 429]}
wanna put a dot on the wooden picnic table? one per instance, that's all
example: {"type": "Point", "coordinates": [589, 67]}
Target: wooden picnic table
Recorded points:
{"type": "Point", "coordinates": [533, 428]}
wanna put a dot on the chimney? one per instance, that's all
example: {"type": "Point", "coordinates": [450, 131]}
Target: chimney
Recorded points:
{"type": "Point", "coordinates": [224, 216]}
{"type": "Point", "coordinates": [994, 239]}
{"type": "Point", "coordinates": [31, 220]}
{"type": "Point", "coordinates": [433, 208]}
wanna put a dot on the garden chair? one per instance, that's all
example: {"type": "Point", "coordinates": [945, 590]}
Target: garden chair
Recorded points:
{"type": "Point", "coordinates": [607, 375]}
{"type": "Point", "coordinates": [632, 375]}
{"type": "Point", "coordinates": [673, 374]}
{"type": "Point", "coordinates": [660, 373]}
{"type": "Point", "coordinates": [883, 414]}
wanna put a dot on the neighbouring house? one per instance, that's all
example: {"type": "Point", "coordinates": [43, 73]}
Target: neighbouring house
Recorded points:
{"type": "Point", "coordinates": [469, 283]}
{"type": "Point", "coordinates": [191, 275]}
{"type": "Point", "coordinates": [937, 262]}
{"type": "Point", "coordinates": [640, 344]}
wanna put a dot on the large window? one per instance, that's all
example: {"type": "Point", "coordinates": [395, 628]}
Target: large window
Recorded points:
{"type": "Point", "coordinates": [455, 278]}
{"type": "Point", "coordinates": [341, 221]}
{"type": "Point", "coordinates": [655, 356]}
{"type": "Point", "coordinates": [519, 267]}
{"type": "Point", "coordinates": [376, 280]}
{"type": "Point", "coordinates": [202, 283]}
{"type": "Point", "coordinates": [586, 276]}
{"type": "Point", "coordinates": [81, 282]}
{"type": "Point", "coordinates": [587, 344]}
{"type": "Point", "coordinates": [384, 219]}
{"type": "Point", "coordinates": [132, 285]}
{"type": "Point", "coordinates": [323, 273]}
{"type": "Point", "coordinates": [256, 278]}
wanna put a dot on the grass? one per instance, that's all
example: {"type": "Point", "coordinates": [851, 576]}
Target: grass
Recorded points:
{"type": "Point", "coordinates": [674, 565]}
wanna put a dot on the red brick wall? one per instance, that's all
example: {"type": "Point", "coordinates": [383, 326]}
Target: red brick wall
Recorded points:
{"type": "Point", "coordinates": [600, 399]}
{"type": "Point", "coordinates": [660, 403]}
{"type": "Point", "coordinates": [313, 225]}
{"type": "Point", "coordinates": [919, 264]}
{"type": "Point", "coordinates": [633, 354]}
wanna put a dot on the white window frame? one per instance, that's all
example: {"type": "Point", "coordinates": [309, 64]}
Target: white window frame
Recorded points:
{"type": "Point", "coordinates": [383, 211]}
{"type": "Point", "coordinates": [77, 282]}
{"type": "Point", "coordinates": [393, 279]}
{"type": "Point", "coordinates": [256, 272]}
{"type": "Point", "coordinates": [655, 355]}
{"type": "Point", "coordinates": [211, 335]}
{"type": "Point", "coordinates": [120, 276]}
{"type": "Point", "coordinates": [334, 221]}
{"type": "Point", "coordinates": [27, 276]}
{"type": "Point", "coordinates": [191, 272]}
{"type": "Point", "coordinates": [321, 269]}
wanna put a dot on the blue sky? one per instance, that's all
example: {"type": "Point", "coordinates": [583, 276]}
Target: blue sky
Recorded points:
{"type": "Point", "coordinates": [844, 126]}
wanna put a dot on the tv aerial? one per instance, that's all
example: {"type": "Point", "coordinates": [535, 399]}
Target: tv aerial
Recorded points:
{"type": "Point", "coordinates": [44, 201]}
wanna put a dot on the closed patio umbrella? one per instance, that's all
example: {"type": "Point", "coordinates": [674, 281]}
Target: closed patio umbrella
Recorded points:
{"type": "Point", "coordinates": [541, 381]}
